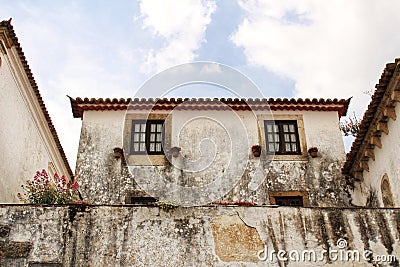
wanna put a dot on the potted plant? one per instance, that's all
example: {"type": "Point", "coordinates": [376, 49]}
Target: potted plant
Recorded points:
{"type": "Point", "coordinates": [256, 149]}
{"type": "Point", "coordinates": [313, 151]}
{"type": "Point", "coordinates": [175, 151]}
{"type": "Point", "coordinates": [118, 152]}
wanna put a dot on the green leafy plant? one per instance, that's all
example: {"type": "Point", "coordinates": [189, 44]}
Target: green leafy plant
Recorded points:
{"type": "Point", "coordinates": [45, 190]}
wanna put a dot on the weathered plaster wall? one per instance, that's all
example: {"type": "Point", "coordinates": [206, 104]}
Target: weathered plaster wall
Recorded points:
{"type": "Point", "coordinates": [215, 148]}
{"type": "Point", "coordinates": [24, 145]}
{"type": "Point", "coordinates": [102, 177]}
{"type": "Point", "coordinates": [322, 131]}
{"type": "Point", "coordinates": [386, 161]}
{"type": "Point", "coordinates": [201, 236]}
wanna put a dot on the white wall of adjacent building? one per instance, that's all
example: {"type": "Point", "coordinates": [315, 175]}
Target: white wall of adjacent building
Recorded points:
{"type": "Point", "coordinates": [26, 143]}
{"type": "Point", "coordinates": [387, 160]}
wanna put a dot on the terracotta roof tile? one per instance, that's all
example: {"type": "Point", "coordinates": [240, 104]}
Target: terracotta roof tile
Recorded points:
{"type": "Point", "coordinates": [79, 105]}
{"type": "Point", "coordinates": [369, 116]}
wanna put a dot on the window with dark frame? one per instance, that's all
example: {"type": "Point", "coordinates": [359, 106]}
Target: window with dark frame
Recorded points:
{"type": "Point", "coordinates": [296, 201]}
{"type": "Point", "coordinates": [147, 137]}
{"type": "Point", "coordinates": [282, 137]}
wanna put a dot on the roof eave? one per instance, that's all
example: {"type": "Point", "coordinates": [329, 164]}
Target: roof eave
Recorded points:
{"type": "Point", "coordinates": [79, 105]}
{"type": "Point", "coordinates": [388, 83]}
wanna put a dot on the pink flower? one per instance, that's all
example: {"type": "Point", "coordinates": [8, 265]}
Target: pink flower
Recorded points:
{"type": "Point", "coordinates": [74, 185]}
{"type": "Point", "coordinates": [63, 180]}
{"type": "Point", "coordinates": [37, 189]}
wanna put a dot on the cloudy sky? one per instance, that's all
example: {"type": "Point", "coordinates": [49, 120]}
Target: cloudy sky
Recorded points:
{"type": "Point", "coordinates": [293, 48]}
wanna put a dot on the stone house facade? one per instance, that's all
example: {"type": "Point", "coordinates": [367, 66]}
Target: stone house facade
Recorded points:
{"type": "Point", "coordinates": [214, 138]}
{"type": "Point", "coordinates": [133, 150]}
{"type": "Point", "coordinates": [28, 139]}
{"type": "Point", "coordinates": [372, 165]}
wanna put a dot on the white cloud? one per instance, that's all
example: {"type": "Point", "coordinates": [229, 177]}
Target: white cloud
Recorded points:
{"type": "Point", "coordinates": [335, 49]}
{"type": "Point", "coordinates": [211, 69]}
{"type": "Point", "coordinates": [181, 24]}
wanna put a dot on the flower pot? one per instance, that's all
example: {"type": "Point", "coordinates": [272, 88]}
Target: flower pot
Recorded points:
{"type": "Point", "coordinates": [175, 151]}
{"type": "Point", "coordinates": [118, 152]}
{"type": "Point", "coordinates": [256, 149]}
{"type": "Point", "coordinates": [313, 151]}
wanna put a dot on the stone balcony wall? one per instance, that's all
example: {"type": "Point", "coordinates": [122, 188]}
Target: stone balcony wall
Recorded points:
{"type": "Point", "coordinates": [98, 235]}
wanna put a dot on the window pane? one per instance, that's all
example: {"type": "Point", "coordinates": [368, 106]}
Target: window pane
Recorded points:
{"type": "Point", "coordinates": [269, 128]}
{"type": "Point", "coordinates": [158, 137]}
{"type": "Point", "coordinates": [293, 137]}
{"type": "Point", "coordinates": [137, 128]}
{"type": "Point", "coordinates": [152, 128]}
{"type": "Point", "coordinates": [271, 147]}
{"type": "Point", "coordinates": [294, 147]}
{"type": "Point", "coordinates": [276, 137]}
{"type": "Point", "coordinates": [142, 147]}
{"type": "Point", "coordinates": [143, 127]}
{"type": "Point", "coordinates": [158, 147]}
{"type": "Point", "coordinates": [287, 138]}
{"type": "Point", "coordinates": [287, 147]}
{"type": "Point", "coordinates": [159, 127]}
{"type": "Point", "coordinates": [152, 137]}
{"type": "Point", "coordinates": [152, 147]}
{"type": "Point", "coordinates": [276, 146]}
{"type": "Point", "coordinates": [136, 147]}
{"type": "Point", "coordinates": [270, 138]}
{"type": "Point", "coordinates": [285, 128]}
{"type": "Point", "coordinates": [276, 128]}
{"type": "Point", "coordinates": [136, 137]}
{"type": "Point", "coordinates": [143, 137]}
{"type": "Point", "coordinates": [291, 128]}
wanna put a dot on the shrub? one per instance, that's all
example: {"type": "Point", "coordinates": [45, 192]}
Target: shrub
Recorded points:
{"type": "Point", "coordinates": [44, 190]}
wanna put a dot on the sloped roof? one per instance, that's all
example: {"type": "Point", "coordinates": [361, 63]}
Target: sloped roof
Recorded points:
{"type": "Point", "coordinates": [376, 114]}
{"type": "Point", "coordinates": [79, 105]}
{"type": "Point", "coordinates": [7, 28]}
